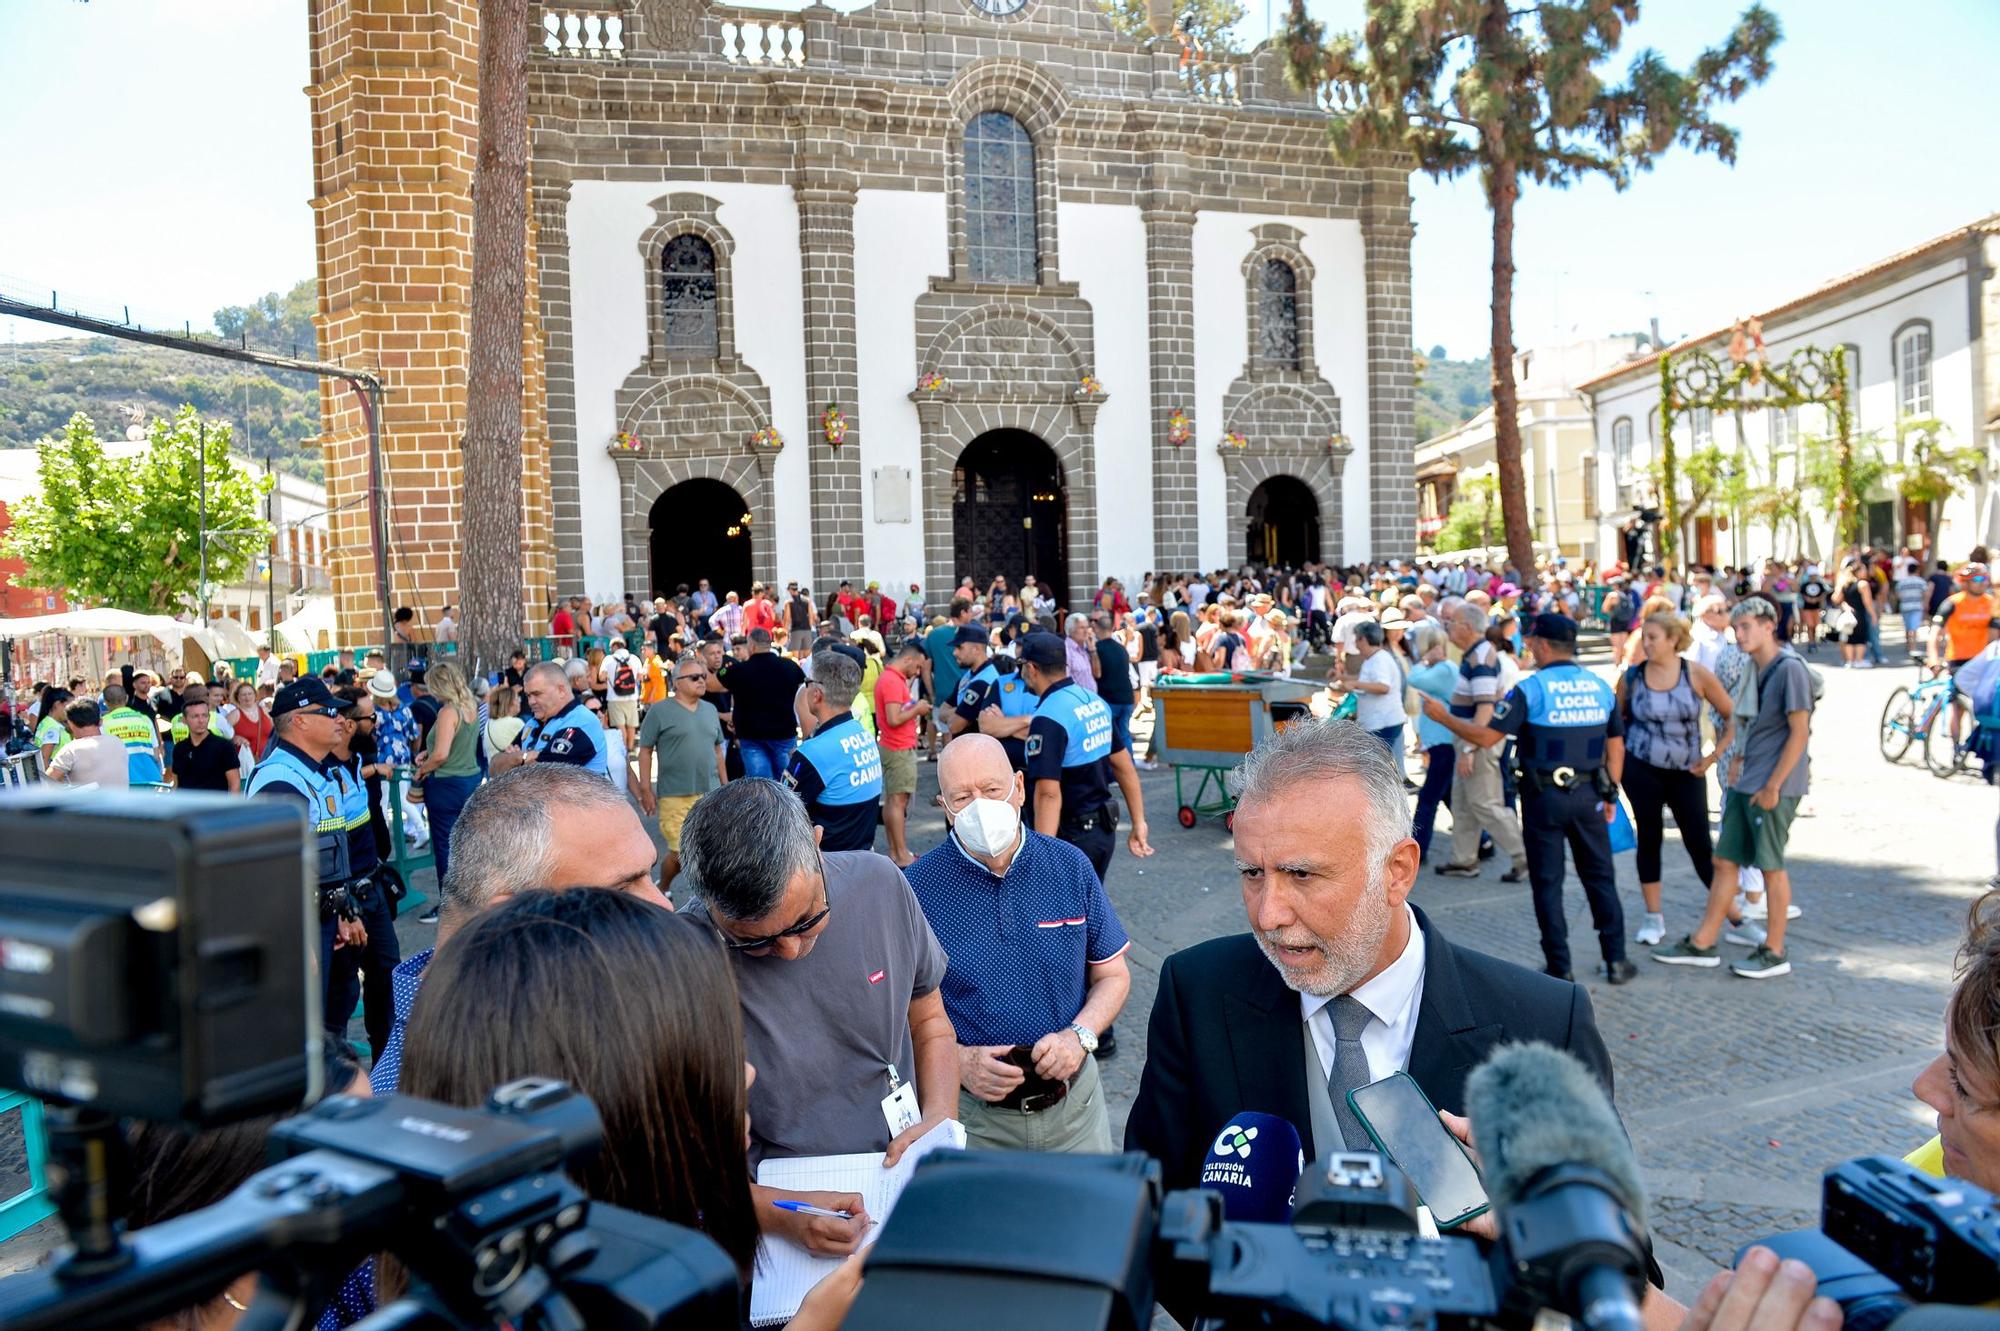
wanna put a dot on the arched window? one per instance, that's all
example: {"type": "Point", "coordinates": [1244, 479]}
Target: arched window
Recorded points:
{"type": "Point", "coordinates": [1621, 450]}
{"type": "Point", "coordinates": [1784, 429]}
{"type": "Point", "coordinates": [687, 297]}
{"type": "Point", "coordinates": [1913, 371]}
{"type": "Point", "coordinates": [1702, 426]}
{"type": "Point", "coordinates": [1000, 241]}
{"type": "Point", "coordinates": [1278, 315]}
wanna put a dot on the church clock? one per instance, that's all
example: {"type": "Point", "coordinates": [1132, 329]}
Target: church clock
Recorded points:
{"type": "Point", "coordinates": [1001, 8]}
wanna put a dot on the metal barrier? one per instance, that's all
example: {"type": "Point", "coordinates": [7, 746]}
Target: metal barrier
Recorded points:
{"type": "Point", "coordinates": [21, 769]}
{"type": "Point", "coordinates": [31, 1205]}
{"type": "Point", "coordinates": [404, 860]}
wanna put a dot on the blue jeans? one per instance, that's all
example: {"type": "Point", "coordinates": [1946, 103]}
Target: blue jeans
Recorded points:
{"type": "Point", "coordinates": [1875, 639]}
{"type": "Point", "coordinates": [444, 800]}
{"type": "Point", "coordinates": [767, 757]}
{"type": "Point", "coordinates": [1436, 790]}
{"type": "Point", "coordinates": [1121, 724]}
{"type": "Point", "coordinates": [1392, 736]}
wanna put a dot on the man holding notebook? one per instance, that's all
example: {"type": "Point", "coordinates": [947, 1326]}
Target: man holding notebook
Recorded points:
{"type": "Point", "coordinates": [838, 976]}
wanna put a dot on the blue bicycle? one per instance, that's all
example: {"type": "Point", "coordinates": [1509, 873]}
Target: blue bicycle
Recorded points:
{"type": "Point", "coordinates": [1922, 716]}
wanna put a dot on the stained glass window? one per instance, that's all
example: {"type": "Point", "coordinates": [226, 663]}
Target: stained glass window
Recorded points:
{"type": "Point", "coordinates": [687, 297]}
{"type": "Point", "coordinates": [1278, 315]}
{"type": "Point", "coordinates": [1000, 199]}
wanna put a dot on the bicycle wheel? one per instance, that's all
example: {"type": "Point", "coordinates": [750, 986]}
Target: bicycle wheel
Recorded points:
{"type": "Point", "coordinates": [1899, 724]}
{"type": "Point", "coordinates": [1941, 753]}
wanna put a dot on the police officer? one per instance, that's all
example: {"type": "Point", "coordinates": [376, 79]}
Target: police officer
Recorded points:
{"type": "Point", "coordinates": [991, 696]}
{"type": "Point", "coordinates": [1073, 752]}
{"type": "Point", "coordinates": [836, 770]}
{"type": "Point", "coordinates": [1572, 754]}
{"type": "Point", "coordinates": [300, 766]}
{"type": "Point", "coordinates": [376, 887]}
{"type": "Point", "coordinates": [562, 729]}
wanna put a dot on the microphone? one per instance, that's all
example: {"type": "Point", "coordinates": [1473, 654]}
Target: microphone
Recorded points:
{"type": "Point", "coordinates": [1564, 1184]}
{"type": "Point", "coordinates": [1255, 1163]}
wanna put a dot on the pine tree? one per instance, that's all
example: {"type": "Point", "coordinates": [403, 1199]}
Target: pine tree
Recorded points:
{"type": "Point", "coordinates": [1516, 93]}
{"type": "Point", "coordinates": [490, 561]}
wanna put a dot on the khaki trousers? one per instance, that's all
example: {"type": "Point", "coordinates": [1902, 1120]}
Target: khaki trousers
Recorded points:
{"type": "Point", "coordinates": [1079, 1123]}
{"type": "Point", "coordinates": [1478, 804]}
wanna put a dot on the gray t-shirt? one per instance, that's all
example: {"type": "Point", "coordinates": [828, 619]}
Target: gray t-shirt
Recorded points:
{"type": "Point", "coordinates": [94, 760]}
{"type": "Point", "coordinates": [1783, 687]}
{"type": "Point", "coordinates": [683, 744]}
{"type": "Point", "coordinates": [822, 1030]}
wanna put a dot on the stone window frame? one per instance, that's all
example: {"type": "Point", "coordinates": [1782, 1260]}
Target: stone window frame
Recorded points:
{"type": "Point", "coordinates": [1276, 240]}
{"type": "Point", "coordinates": [679, 215]}
{"type": "Point", "coordinates": [1021, 90]}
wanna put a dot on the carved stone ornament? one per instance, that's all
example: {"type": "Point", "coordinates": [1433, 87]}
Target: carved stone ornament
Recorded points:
{"type": "Point", "coordinates": [672, 25]}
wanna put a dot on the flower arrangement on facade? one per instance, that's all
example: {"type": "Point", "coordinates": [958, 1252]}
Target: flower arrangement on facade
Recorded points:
{"type": "Point", "coordinates": [627, 441]}
{"type": "Point", "coordinates": [1180, 428]}
{"type": "Point", "coordinates": [1090, 384]}
{"type": "Point", "coordinates": [933, 383]}
{"type": "Point", "coordinates": [1236, 439]}
{"type": "Point", "coordinates": [833, 424]}
{"type": "Point", "coordinates": [1338, 443]}
{"type": "Point", "coordinates": [768, 438]}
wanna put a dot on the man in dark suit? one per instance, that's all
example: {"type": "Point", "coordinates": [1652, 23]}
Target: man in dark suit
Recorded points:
{"type": "Point", "coordinates": [1340, 982]}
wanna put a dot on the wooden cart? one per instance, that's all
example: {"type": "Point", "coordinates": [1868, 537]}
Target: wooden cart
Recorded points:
{"type": "Point", "coordinates": [1208, 722]}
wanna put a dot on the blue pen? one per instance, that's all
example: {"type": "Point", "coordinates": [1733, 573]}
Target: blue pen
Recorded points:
{"type": "Point", "coordinates": [807, 1208]}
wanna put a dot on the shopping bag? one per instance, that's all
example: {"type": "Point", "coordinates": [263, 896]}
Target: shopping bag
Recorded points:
{"type": "Point", "coordinates": [1623, 838]}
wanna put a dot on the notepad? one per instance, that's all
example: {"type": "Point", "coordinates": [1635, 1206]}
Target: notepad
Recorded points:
{"type": "Point", "coordinates": [786, 1272]}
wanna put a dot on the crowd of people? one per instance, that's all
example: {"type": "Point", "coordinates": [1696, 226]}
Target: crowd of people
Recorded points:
{"type": "Point", "coordinates": [816, 997]}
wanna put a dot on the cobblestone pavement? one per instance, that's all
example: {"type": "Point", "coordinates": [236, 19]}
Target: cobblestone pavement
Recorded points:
{"type": "Point", "coordinates": [1737, 1094]}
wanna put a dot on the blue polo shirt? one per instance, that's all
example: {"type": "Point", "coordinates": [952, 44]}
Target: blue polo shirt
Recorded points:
{"type": "Point", "coordinates": [1018, 945]}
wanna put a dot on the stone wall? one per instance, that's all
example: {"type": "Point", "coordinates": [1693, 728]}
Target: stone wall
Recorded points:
{"type": "Point", "coordinates": [394, 124]}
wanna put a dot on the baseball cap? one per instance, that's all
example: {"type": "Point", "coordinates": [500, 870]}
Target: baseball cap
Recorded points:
{"type": "Point", "coordinates": [1552, 628]}
{"type": "Point", "coordinates": [967, 633]}
{"type": "Point", "coordinates": [309, 695]}
{"type": "Point", "coordinates": [382, 684]}
{"type": "Point", "coordinates": [1043, 649]}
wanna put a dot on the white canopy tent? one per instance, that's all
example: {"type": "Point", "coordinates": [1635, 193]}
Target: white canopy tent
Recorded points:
{"type": "Point", "coordinates": [221, 639]}
{"type": "Point", "coordinates": [314, 628]}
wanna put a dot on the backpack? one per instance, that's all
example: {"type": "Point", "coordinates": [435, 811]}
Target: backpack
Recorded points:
{"type": "Point", "coordinates": [624, 681]}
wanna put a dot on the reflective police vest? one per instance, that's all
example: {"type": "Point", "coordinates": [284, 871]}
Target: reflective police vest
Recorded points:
{"type": "Point", "coordinates": [1011, 692]}
{"type": "Point", "coordinates": [361, 854]}
{"type": "Point", "coordinates": [848, 762]}
{"type": "Point", "coordinates": [1085, 720]}
{"type": "Point", "coordinates": [138, 735]}
{"type": "Point", "coordinates": [1568, 710]}
{"type": "Point", "coordinates": [548, 738]}
{"type": "Point", "coordinates": [326, 800]}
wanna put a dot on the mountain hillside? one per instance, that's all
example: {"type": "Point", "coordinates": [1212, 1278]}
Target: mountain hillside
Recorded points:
{"type": "Point", "coordinates": [1450, 392]}
{"type": "Point", "coordinates": [275, 413]}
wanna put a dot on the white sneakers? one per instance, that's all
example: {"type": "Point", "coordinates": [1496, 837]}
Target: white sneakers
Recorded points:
{"type": "Point", "coordinates": [1654, 930]}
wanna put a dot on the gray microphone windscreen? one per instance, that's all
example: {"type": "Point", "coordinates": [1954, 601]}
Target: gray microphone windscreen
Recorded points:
{"type": "Point", "coordinates": [1533, 1106]}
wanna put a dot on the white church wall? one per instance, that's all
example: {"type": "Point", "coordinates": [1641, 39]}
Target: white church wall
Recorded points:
{"type": "Point", "coordinates": [609, 283]}
{"type": "Point", "coordinates": [899, 245]}
{"type": "Point", "coordinates": [1104, 253]}
{"type": "Point", "coordinates": [1221, 346]}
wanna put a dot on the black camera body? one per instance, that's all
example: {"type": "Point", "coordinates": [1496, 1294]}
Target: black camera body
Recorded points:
{"type": "Point", "coordinates": [155, 955]}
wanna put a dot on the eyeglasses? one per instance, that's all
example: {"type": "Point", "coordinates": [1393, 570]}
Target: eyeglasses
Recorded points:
{"type": "Point", "coordinates": [693, 679]}
{"type": "Point", "coordinates": [805, 926]}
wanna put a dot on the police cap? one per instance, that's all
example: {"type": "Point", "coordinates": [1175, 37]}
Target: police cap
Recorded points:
{"type": "Point", "coordinates": [968, 633]}
{"type": "Point", "coordinates": [1552, 628]}
{"type": "Point", "coordinates": [1043, 649]}
{"type": "Point", "coordinates": [309, 695]}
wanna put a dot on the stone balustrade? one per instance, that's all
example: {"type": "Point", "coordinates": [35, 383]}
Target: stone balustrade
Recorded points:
{"type": "Point", "coordinates": [1216, 82]}
{"type": "Point", "coordinates": [576, 33]}
{"type": "Point", "coordinates": [761, 37]}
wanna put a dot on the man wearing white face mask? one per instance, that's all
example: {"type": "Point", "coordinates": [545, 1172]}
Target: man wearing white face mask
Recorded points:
{"type": "Point", "coordinates": [1037, 961]}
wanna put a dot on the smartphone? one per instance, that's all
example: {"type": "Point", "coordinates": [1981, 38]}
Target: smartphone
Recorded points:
{"type": "Point", "coordinates": [1406, 1128]}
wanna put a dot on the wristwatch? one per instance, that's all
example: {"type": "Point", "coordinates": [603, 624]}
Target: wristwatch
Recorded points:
{"type": "Point", "coordinates": [1085, 1037]}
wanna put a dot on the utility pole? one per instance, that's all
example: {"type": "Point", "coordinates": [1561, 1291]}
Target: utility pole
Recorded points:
{"type": "Point", "coordinates": [201, 520]}
{"type": "Point", "coordinates": [271, 516]}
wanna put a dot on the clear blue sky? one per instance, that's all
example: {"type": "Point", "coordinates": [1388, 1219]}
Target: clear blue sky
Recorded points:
{"type": "Point", "coordinates": [157, 156]}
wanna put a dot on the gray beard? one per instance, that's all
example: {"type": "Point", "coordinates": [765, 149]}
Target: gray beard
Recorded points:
{"type": "Point", "coordinates": [1348, 958]}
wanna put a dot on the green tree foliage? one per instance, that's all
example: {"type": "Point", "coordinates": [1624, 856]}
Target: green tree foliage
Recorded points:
{"type": "Point", "coordinates": [125, 531]}
{"type": "Point", "coordinates": [1819, 472]}
{"type": "Point", "coordinates": [1474, 517]}
{"type": "Point", "coordinates": [1209, 24]}
{"type": "Point", "coordinates": [279, 323]}
{"type": "Point", "coordinates": [1931, 470]}
{"type": "Point", "coordinates": [1516, 92]}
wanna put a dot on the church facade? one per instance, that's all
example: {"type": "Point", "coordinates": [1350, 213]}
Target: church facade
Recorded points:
{"type": "Point", "coordinates": [936, 288]}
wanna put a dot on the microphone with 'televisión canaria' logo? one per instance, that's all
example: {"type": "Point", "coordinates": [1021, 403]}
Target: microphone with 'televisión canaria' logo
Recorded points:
{"type": "Point", "coordinates": [1255, 1165]}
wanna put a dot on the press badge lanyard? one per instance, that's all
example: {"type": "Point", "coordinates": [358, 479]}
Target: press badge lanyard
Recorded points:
{"type": "Point", "coordinates": [899, 1106]}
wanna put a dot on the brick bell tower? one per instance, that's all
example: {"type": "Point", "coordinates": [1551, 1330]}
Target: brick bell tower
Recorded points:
{"type": "Point", "coordinates": [395, 88]}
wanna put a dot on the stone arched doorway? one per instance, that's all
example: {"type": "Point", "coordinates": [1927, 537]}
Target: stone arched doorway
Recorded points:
{"type": "Point", "coordinates": [1283, 523]}
{"type": "Point", "coordinates": [701, 528]}
{"type": "Point", "coordinates": [1010, 513]}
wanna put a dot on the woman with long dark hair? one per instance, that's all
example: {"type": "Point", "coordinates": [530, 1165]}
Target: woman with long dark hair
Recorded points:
{"type": "Point", "coordinates": [524, 991]}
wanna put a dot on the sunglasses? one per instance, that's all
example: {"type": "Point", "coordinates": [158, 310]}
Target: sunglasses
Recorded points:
{"type": "Point", "coordinates": [805, 926]}
{"type": "Point", "coordinates": [695, 678]}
